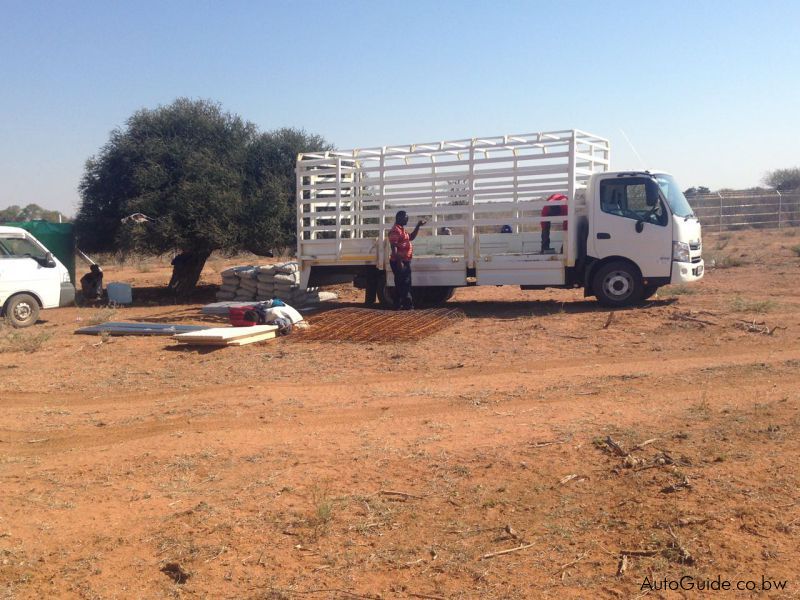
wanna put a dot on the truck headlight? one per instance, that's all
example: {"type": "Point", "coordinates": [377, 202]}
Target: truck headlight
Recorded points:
{"type": "Point", "coordinates": [680, 252]}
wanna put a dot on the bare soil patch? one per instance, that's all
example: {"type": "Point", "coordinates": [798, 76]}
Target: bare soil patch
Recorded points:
{"type": "Point", "coordinates": [534, 448]}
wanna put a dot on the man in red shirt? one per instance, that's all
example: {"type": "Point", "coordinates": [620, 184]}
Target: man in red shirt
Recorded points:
{"type": "Point", "coordinates": [552, 211]}
{"type": "Point", "coordinates": [400, 261]}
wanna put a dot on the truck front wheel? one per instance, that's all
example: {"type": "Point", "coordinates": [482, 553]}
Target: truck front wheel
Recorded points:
{"type": "Point", "coordinates": [618, 284]}
{"type": "Point", "coordinates": [22, 310]}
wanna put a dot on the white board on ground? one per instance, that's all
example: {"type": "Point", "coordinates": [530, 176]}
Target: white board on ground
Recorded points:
{"type": "Point", "coordinates": [262, 337]}
{"type": "Point", "coordinates": [225, 334]}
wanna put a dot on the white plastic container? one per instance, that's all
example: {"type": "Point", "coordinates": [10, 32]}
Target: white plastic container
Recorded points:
{"type": "Point", "coordinates": [120, 293]}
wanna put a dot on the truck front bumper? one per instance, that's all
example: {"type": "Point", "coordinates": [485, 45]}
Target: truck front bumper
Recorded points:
{"type": "Point", "coordinates": [683, 272]}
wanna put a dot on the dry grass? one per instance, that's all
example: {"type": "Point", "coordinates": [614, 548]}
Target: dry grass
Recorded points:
{"type": "Point", "coordinates": [103, 315]}
{"type": "Point", "coordinates": [20, 340]}
{"type": "Point", "coordinates": [740, 304]}
{"type": "Point", "coordinates": [678, 290]}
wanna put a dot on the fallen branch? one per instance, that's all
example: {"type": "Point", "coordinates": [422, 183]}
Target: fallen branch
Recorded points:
{"type": "Point", "coordinates": [609, 320]}
{"type": "Point", "coordinates": [509, 551]}
{"type": "Point", "coordinates": [679, 316]}
{"type": "Point", "coordinates": [571, 564]}
{"type": "Point", "coordinates": [401, 494]}
{"type": "Point", "coordinates": [638, 552]}
{"type": "Point", "coordinates": [685, 555]}
{"type": "Point", "coordinates": [643, 444]}
{"type": "Point", "coordinates": [676, 486]}
{"type": "Point", "coordinates": [543, 444]}
{"type": "Point", "coordinates": [623, 564]}
{"type": "Point", "coordinates": [615, 447]}
{"type": "Point", "coordinates": [754, 327]}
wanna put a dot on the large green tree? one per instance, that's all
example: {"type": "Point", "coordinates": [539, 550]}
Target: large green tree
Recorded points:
{"type": "Point", "coordinates": [783, 179]}
{"type": "Point", "coordinates": [202, 179]}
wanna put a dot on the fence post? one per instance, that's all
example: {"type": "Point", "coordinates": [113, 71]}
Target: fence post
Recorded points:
{"type": "Point", "coordinates": [719, 195]}
{"type": "Point", "coordinates": [780, 206]}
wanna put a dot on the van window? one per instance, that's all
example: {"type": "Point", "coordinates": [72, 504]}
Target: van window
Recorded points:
{"type": "Point", "coordinates": [18, 247]}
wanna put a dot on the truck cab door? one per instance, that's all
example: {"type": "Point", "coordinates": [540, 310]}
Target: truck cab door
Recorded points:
{"type": "Point", "coordinates": [631, 220]}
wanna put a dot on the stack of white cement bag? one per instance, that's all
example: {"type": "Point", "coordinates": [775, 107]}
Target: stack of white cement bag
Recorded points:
{"type": "Point", "coordinates": [280, 280]}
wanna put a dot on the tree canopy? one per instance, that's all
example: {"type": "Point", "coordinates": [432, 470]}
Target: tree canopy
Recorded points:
{"type": "Point", "coordinates": [205, 179]}
{"type": "Point", "coordinates": [31, 212]}
{"type": "Point", "coordinates": [783, 179]}
{"type": "Point", "coordinates": [694, 191]}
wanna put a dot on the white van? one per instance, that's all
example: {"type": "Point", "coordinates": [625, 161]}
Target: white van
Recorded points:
{"type": "Point", "coordinates": [31, 278]}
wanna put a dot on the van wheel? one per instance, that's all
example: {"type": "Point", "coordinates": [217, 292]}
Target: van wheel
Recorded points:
{"type": "Point", "coordinates": [618, 284]}
{"type": "Point", "coordinates": [22, 310]}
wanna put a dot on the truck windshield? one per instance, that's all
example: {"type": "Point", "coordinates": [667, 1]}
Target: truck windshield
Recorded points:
{"type": "Point", "coordinates": [672, 193]}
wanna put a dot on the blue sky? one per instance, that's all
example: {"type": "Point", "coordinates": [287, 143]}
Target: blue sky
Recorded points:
{"type": "Point", "coordinates": [708, 90]}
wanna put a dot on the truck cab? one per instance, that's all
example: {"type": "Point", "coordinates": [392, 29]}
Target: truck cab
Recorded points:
{"type": "Point", "coordinates": [31, 278]}
{"type": "Point", "coordinates": [642, 234]}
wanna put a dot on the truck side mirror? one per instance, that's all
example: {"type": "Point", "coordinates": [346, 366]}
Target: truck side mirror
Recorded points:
{"type": "Point", "coordinates": [48, 261]}
{"type": "Point", "coordinates": [639, 226]}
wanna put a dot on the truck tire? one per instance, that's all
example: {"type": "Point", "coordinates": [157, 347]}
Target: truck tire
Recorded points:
{"type": "Point", "coordinates": [385, 294]}
{"type": "Point", "coordinates": [431, 295]}
{"type": "Point", "coordinates": [21, 310]}
{"type": "Point", "coordinates": [649, 291]}
{"type": "Point", "coordinates": [618, 284]}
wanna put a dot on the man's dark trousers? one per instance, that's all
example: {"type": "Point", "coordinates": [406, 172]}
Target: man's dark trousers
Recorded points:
{"type": "Point", "coordinates": [402, 283]}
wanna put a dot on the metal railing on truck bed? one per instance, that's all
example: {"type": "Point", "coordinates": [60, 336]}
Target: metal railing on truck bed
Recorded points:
{"type": "Point", "coordinates": [469, 189]}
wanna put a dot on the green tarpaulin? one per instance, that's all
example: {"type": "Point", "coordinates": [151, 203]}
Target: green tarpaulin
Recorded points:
{"type": "Point", "coordinates": [59, 238]}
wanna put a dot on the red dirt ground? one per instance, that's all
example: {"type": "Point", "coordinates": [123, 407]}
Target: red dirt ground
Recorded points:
{"type": "Point", "coordinates": [309, 469]}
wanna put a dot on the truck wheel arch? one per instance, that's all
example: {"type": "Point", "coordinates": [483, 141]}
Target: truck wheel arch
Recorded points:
{"type": "Point", "coordinates": [17, 293]}
{"type": "Point", "coordinates": [595, 265]}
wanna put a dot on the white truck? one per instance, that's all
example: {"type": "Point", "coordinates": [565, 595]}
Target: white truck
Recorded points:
{"type": "Point", "coordinates": [31, 278]}
{"type": "Point", "coordinates": [490, 204]}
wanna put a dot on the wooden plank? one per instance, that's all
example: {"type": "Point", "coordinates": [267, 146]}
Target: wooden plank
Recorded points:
{"type": "Point", "coordinates": [225, 334]}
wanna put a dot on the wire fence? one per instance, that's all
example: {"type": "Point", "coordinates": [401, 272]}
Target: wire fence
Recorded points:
{"type": "Point", "coordinates": [771, 209]}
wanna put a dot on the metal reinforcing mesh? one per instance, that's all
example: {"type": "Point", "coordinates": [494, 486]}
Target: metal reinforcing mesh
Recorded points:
{"type": "Point", "coordinates": [370, 325]}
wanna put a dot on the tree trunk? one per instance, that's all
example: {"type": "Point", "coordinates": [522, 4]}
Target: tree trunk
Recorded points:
{"type": "Point", "coordinates": [186, 269]}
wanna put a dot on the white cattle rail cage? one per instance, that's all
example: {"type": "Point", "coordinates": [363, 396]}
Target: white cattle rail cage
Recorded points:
{"type": "Point", "coordinates": [466, 190]}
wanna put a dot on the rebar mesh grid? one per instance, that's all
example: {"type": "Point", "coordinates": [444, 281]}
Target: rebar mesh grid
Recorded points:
{"type": "Point", "coordinates": [382, 326]}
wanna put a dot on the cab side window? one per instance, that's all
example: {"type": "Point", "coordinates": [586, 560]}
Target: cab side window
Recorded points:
{"type": "Point", "coordinates": [18, 247]}
{"type": "Point", "coordinates": [628, 198]}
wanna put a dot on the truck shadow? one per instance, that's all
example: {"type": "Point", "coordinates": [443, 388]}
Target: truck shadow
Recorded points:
{"type": "Point", "coordinates": [527, 308]}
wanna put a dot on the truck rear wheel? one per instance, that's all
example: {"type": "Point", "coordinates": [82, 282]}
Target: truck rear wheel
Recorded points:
{"type": "Point", "coordinates": [431, 295]}
{"type": "Point", "coordinates": [618, 284]}
{"type": "Point", "coordinates": [385, 295]}
{"type": "Point", "coordinates": [22, 310]}
{"type": "Point", "coordinates": [424, 296]}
